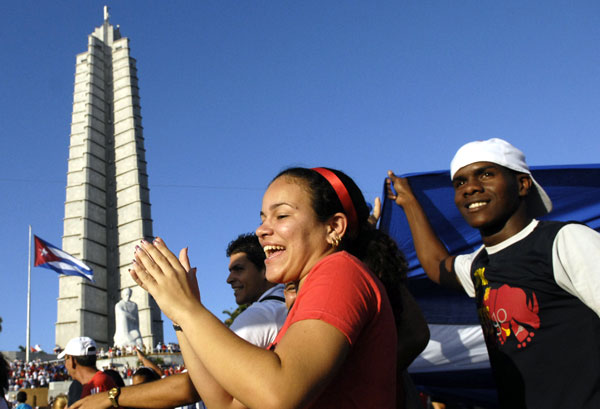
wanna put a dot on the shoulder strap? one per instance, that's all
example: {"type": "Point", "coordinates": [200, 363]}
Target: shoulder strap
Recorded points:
{"type": "Point", "coordinates": [273, 297]}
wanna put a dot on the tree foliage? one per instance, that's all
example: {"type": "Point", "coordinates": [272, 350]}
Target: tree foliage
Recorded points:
{"type": "Point", "coordinates": [233, 314]}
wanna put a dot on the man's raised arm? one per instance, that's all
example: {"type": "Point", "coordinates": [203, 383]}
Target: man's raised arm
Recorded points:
{"type": "Point", "coordinates": [430, 250]}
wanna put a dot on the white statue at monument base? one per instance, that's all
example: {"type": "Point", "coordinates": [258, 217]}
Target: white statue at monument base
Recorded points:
{"type": "Point", "coordinates": [127, 322]}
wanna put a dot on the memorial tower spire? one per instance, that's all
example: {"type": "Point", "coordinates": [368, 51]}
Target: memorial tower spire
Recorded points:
{"type": "Point", "coordinates": [107, 207]}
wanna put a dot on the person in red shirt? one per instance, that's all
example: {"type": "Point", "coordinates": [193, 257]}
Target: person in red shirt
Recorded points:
{"type": "Point", "coordinates": [338, 346]}
{"type": "Point", "coordinates": [80, 361]}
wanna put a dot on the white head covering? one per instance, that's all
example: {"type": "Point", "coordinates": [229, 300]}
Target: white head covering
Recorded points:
{"type": "Point", "coordinates": [80, 346]}
{"type": "Point", "coordinates": [499, 151]}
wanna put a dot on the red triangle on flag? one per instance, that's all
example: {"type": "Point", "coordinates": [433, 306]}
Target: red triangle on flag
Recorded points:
{"type": "Point", "coordinates": [43, 255]}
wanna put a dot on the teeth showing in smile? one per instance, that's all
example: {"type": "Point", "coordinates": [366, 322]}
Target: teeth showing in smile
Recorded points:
{"type": "Point", "coordinates": [270, 250]}
{"type": "Point", "coordinates": [476, 205]}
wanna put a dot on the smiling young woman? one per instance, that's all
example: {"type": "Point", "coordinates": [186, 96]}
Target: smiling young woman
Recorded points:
{"type": "Point", "coordinates": [338, 345]}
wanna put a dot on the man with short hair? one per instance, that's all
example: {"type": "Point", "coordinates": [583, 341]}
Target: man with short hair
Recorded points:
{"type": "Point", "coordinates": [536, 283]}
{"type": "Point", "coordinates": [258, 324]}
{"type": "Point", "coordinates": [80, 362]}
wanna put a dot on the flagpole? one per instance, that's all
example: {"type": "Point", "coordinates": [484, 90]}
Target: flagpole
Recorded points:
{"type": "Point", "coordinates": [28, 297]}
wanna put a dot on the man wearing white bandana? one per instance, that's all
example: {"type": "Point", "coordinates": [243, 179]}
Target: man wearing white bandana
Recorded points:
{"type": "Point", "coordinates": [536, 283]}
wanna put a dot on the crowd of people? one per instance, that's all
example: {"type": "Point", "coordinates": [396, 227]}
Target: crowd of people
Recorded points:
{"type": "Point", "coordinates": [112, 352]}
{"type": "Point", "coordinates": [21, 376]}
{"type": "Point", "coordinates": [34, 374]}
{"type": "Point", "coordinates": [126, 372]}
{"type": "Point", "coordinates": [39, 374]}
{"type": "Point", "coordinates": [331, 323]}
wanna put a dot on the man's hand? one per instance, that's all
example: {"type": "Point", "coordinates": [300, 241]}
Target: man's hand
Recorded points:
{"type": "Point", "coordinates": [398, 189]}
{"type": "Point", "coordinates": [430, 250]}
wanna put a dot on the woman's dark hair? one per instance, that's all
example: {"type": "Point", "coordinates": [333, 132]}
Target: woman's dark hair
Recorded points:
{"type": "Point", "coordinates": [115, 377]}
{"type": "Point", "coordinates": [148, 374]}
{"type": "Point", "coordinates": [248, 243]}
{"type": "Point", "coordinates": [373, 247]}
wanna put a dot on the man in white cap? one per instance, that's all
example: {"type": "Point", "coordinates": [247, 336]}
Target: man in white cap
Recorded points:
{"type": "Point", "coordinates": [80, 361]}
{"type": "Point", "coordinates": [536, 283]}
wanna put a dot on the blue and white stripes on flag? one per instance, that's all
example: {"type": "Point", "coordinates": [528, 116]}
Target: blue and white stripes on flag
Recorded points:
{"type": "Point", "coordinates": [49, 256]}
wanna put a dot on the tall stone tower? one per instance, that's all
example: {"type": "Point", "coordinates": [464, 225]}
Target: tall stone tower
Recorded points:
{"type": "Point", "coordinates": [107, 207]}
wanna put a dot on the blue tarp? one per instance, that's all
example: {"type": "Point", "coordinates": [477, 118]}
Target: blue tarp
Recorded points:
{"type": "Point", "coordinates": [454, 364]}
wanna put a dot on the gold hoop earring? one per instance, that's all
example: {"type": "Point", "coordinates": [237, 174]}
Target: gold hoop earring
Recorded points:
{"type": "Point", "coordinates": [335, 241]}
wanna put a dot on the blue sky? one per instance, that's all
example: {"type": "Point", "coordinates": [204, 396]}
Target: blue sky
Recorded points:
{"type": "Point", "coordinates": [233, 92]}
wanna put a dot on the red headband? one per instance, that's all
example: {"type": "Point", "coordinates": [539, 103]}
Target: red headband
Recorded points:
{"type": "Point", "coordinates": [343, 195]}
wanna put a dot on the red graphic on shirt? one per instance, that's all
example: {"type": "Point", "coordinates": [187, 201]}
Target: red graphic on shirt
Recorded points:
{"type": "Point", "coordinates": [512, 313]}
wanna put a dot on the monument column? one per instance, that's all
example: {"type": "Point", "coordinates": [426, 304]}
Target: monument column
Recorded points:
{"type": "Point", "coordinates": [107, 207]}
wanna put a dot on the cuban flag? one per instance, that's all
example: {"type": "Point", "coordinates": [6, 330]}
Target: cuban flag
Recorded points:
{"type": "Point", "coordinates": [49, 256]}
